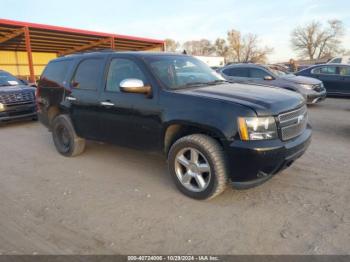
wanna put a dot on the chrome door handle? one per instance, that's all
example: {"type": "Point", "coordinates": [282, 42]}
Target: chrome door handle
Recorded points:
{"type": "Point", "coordinates": [105, 103]}
{"type": "Point", "coordinates": [70, 98]}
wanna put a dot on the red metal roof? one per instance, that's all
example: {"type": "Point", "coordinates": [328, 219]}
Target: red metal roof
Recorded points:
{"type": "Point", "coordinates": [48, 38]}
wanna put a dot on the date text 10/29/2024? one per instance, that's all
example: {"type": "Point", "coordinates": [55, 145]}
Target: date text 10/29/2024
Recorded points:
{"type": "Point", "coordinates": [173, 258]}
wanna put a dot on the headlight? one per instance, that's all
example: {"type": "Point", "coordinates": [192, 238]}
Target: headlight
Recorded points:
{"type": "Point", "coordinates": [307, 86]}
{"type": "Point", "coordinates": [257, 128]}
{"type": "Point", "coordinates": [2, 107]}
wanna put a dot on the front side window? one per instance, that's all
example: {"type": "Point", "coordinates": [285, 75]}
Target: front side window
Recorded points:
{"type": "Point", "coordinates": [325, 70]}
{"type": "Point", "coordinates": [121, 69]}
{"type": "Point", "coordinates": [88, 74]}
{"type": "Point", "coordinates": [237, 72]}
{"type": "Point", "coordinates": [177, 72]}
{"type": "Point", "coordinates": [344, 71]}
{"type": "Point", "coordinates": [257, 73]}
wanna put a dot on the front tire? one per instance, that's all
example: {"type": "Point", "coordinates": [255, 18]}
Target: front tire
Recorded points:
{"type": "Point", "coordinates": [66, 140]}
{"type": "Point", "coordinates": [197, 166]}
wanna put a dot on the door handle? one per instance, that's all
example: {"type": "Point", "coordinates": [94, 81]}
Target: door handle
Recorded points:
{"type": "Point", "coordinates": [70, 98]}
{"type": "Point", "coordinates": [106, 103]}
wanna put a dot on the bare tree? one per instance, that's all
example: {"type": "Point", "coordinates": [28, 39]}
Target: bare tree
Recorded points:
{"type": "Point", "coordinates": [171, 45]}
{"type": "Point", "coordinates": [245, 48]}
{"type": "Point", "coordinates": [220, 47]}
{"type": "Point", "coordinates": [202, 47]}
{"type": "Point", "coordinates": [316, 41]}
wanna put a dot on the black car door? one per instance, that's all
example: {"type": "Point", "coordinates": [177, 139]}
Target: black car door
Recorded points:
{"type": "Point", "coordinates": [329, 75]}
{"type": "Point", "coordinates": [84, 96]}
{"type": "Point", "coordinates": [129, 119]}
{"type": "Point", "coordinates": [344, 85]}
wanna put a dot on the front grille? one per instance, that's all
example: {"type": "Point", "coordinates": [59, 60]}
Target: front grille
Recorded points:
{"type": "Point", "coordinates": [16, 98]}
{"type": "Point", "coordinates": [293, 123]}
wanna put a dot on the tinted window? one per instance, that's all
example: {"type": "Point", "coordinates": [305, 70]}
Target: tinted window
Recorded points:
{"type": "Point", "coordinates": [325, 70]}
{"type": "Point", "coordinates": [56, 71]}
{"type": "Point", "coordinates": [344, 71]}
{"type": "Point", "coordinates": [257, 73]}
{"type": "Point", "coordinates": [336, 60]}
{"type": "Point", "coordinates": [239, 72]}
{"type": "Point", "coordinates": [121, 69]}
{"type": "Point", "coordinates": [88, 74]}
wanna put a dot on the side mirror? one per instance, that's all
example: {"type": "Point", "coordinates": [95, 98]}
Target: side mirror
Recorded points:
{"type": "Point", "coordinates": [268, 78]}
{"type": "Point", "coordinates": [136, 86]}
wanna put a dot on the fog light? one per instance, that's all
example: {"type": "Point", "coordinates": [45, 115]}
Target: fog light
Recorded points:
{"type": "Point", "coordinates": [2, 107]}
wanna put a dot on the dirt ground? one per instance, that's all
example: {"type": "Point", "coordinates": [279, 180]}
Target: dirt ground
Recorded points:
{"type": "Point", "coordinates": [113, 200]}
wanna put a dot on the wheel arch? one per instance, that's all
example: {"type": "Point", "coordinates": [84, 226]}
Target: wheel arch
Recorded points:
{"type": "Point", "coordinates": [177, 129]}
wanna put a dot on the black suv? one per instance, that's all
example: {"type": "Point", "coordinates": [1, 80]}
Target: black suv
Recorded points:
{"type": "Point", "coordinates": [210, 130]}
{"type": "Point", "coordinates": [17, 98]}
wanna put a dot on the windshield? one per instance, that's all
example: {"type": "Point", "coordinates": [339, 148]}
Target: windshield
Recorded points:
{"type": "Point", "coordinates": [276, 72]}
{"type": "Point", "coordinates": [7, 79]}
{"type": "Point", "coordinates": [178, 72]}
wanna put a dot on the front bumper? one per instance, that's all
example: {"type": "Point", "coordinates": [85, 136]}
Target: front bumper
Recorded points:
{"type": "Point", "coordinates": [18, 112]}
{"type": "Point", "coordinates": [252, 163]}
{"type": "Point", "coordinates": [315, 97]}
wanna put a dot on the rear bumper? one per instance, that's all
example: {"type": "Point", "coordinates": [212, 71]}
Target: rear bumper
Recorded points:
{"type": "Point", "coordinates": [252, 163]}
{"type": "Point", "coordinates": [18, 112]}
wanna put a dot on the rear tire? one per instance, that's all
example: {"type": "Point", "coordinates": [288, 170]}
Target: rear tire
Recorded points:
{"type": "Point", "coordinates": [198, 167]}
{"type": "Point", "coordinates": [66, 140]}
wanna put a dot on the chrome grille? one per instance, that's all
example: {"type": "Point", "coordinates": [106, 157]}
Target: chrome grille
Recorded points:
{"type": "Point", "coordinates": [16, 98]}
{"type": "Point", "coordinates": [293, 123]}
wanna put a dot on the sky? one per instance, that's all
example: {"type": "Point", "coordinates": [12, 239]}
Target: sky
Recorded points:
{"type": "Point", "coordinates": [183, 20]}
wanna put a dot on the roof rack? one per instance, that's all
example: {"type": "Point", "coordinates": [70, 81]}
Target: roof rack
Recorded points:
{"type": "Point", "coordinates": [102, 50]}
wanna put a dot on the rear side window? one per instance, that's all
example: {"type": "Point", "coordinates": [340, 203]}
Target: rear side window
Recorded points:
{"type": "Point", "coordinates": [257, 73]}
{"type": "Point", "coordinates": [88, 74]}
{"type": "Point", "coordinates": [238, 72]}
{"type": "Point", "coordinates": [325, 70]}
{"type": "Point", "coordinates": [55, 72]}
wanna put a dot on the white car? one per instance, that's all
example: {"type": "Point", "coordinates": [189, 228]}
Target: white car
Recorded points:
{"type": "Point", "coordinates": [340, 60]}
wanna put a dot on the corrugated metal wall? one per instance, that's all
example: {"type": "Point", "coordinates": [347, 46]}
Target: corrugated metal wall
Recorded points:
{"type": "Point", "coordinates": [17, 62]}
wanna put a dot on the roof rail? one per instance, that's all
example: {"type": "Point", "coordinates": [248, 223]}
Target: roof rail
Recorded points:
{"type": "Point", "coordinates": [102, 50]}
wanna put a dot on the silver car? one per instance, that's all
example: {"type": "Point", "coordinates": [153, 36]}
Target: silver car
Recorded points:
{"type": "Point", "coordinates": [311, 89]}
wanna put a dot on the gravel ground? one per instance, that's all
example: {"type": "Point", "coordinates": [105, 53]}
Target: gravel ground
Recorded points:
{"type": "Point", "coordinates": [113, 200]}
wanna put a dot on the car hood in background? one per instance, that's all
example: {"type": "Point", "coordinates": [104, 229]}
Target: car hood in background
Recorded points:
{"type": "Point", "coordinates": [264, 100]}
{"type": "Point", "coordinates": [301, 79]}
{"type": "Point", "coordinates": [6, 89]}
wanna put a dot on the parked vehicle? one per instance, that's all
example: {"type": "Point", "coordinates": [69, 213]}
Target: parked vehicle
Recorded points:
{"type": "Point", "coordinates": [311, 89]}
{"type": "Point", "coordinates": [17, 98]}
{"type": "Point", "coordinates": [210, 131]}
{"type": "Point", "coordinates": [340, 60]}
{"type": "Point", "coordinates": [336, 77]}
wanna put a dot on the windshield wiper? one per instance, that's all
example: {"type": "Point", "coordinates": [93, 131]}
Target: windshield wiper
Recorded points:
{"type": "Point", "coordinates": [193, 84]}
{"type": "Point", "coordinates": [219, 81]}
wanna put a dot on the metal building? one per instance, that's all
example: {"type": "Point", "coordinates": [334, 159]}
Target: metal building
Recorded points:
{"type": "Point", "coordinates": [25, 48]}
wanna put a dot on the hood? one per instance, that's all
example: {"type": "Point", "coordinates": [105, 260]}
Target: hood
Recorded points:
{"type": "Point", "coordinates": [265, 101]}
{"type": "Point", "coordinates": [301, 79]}
{"type": "Point", "coordinates": [17, 88]}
